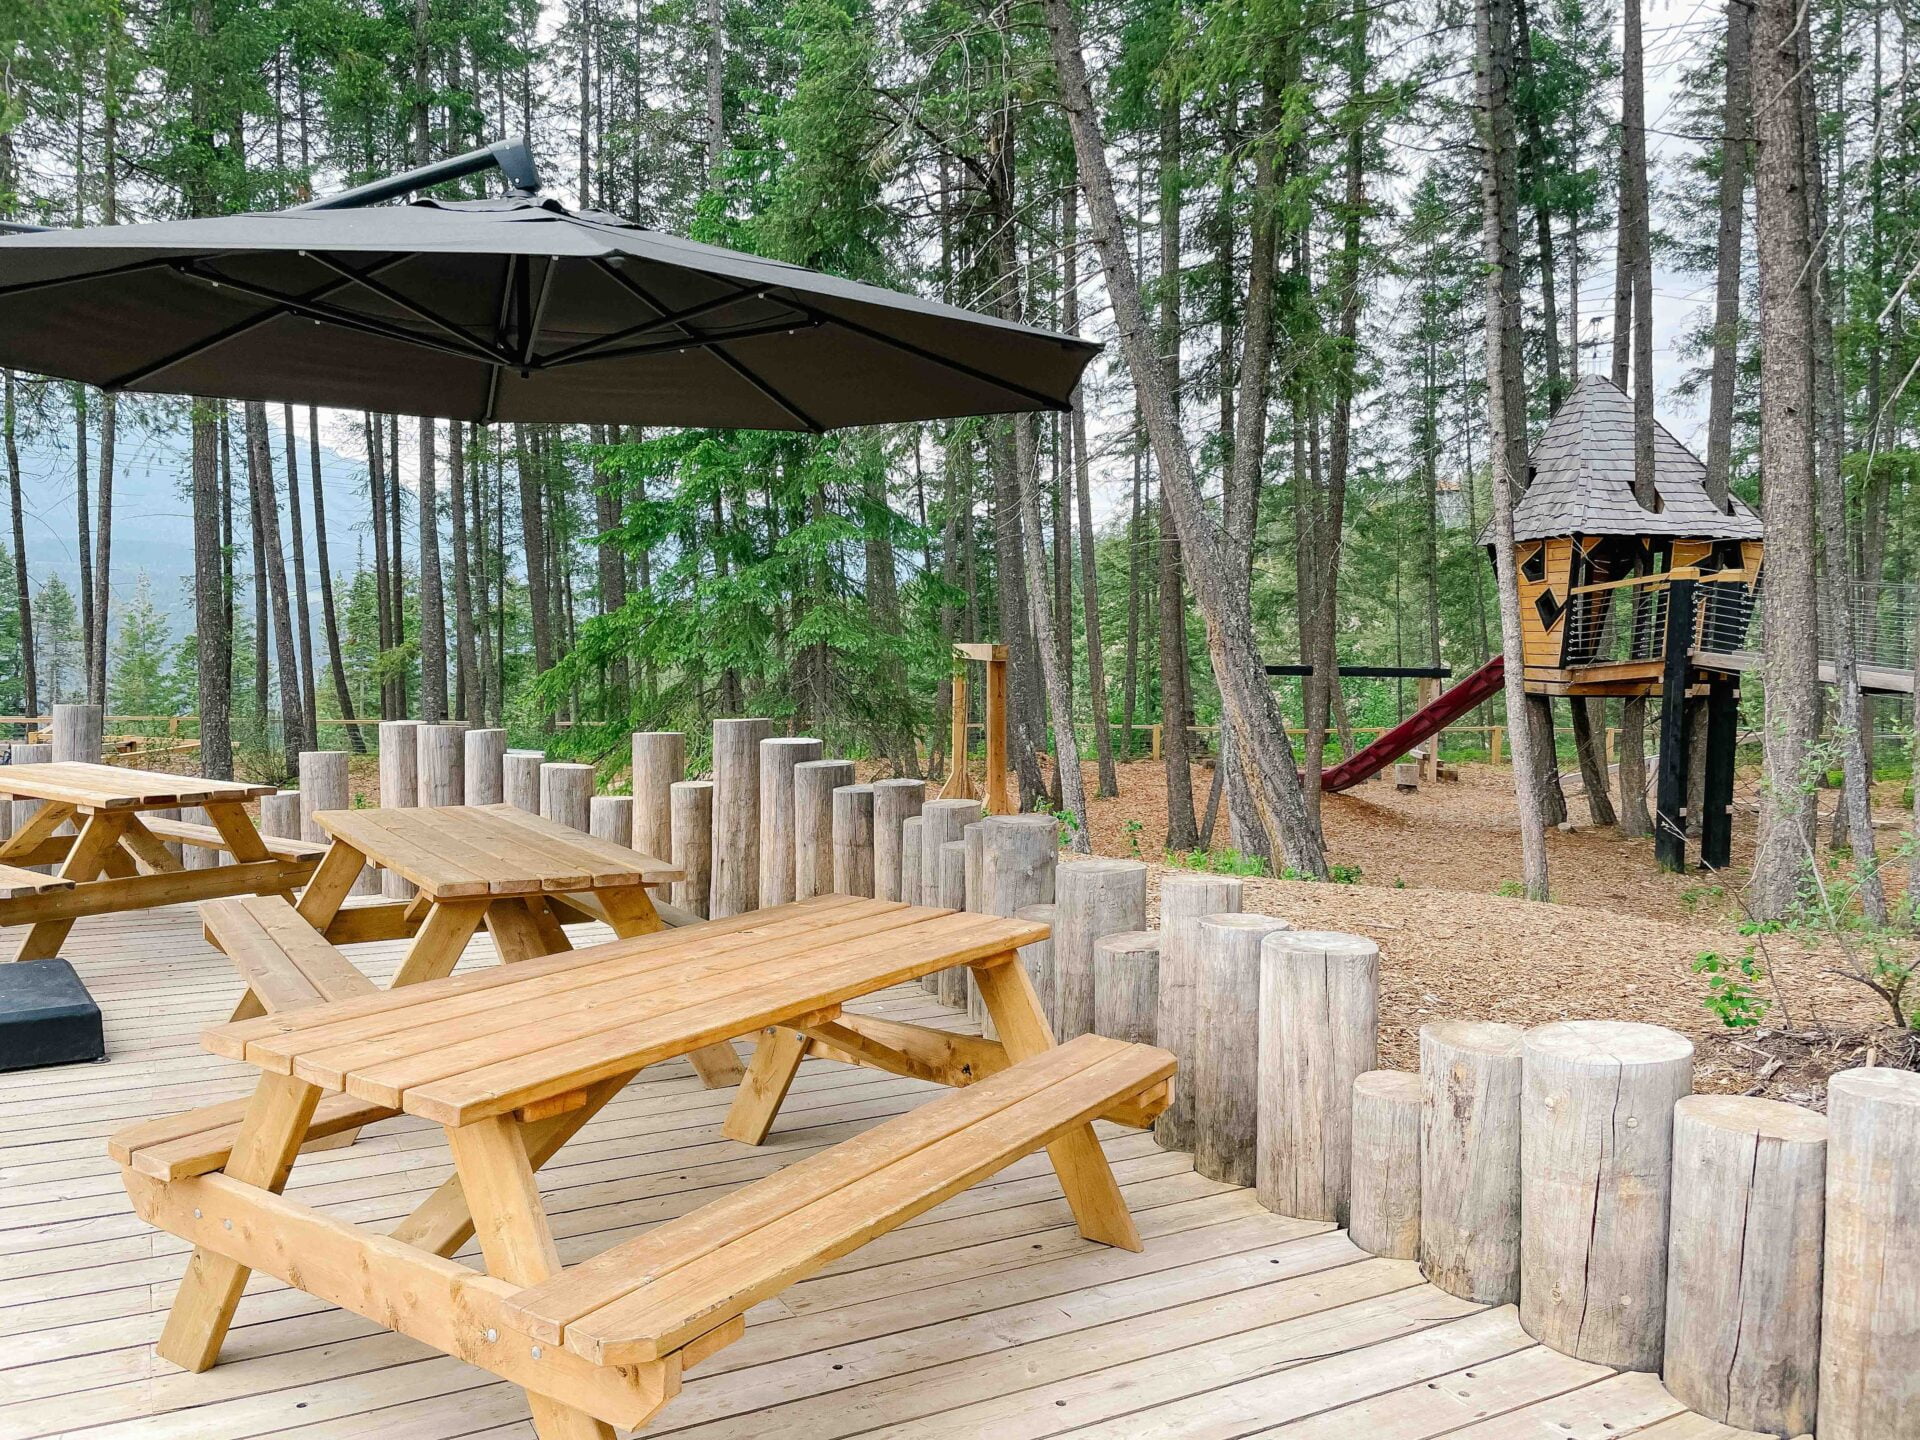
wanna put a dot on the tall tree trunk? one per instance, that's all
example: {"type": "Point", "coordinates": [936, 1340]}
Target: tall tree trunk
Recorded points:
{"type": "Point", "coordinates": [1066, 747]}
{"type": "Point", "coordinates": [465, 671]}
{"type": "Point", "coordinates": [213, 619]}
{"type": "Point", "coordinates": [534, 544]}
{"type": "Point", "coordinates": [1736, 122]}
{"type": "Point", "coordinates": [336, 662]}
{"type": "Point", "coordinates": [1130, 669]}
{"type": "Point", "coordinates": [22, 578]}
{"type": "Point", "coordinates": [1855, 814]}
{"type": "Point", "coordinates": [103, 543]}
{"type": "Point", "coordinates": [293, 725]}
{"type": "Point", "coordinates": [397, 558]}
{"type": "Point", "coordinates": [1108, 784]}
{"type": "Point", "coordinates": [1259, 739]}
{"type": "Point", "coordinates": [1789, 598]}
{"type": "Point", "coordinates": [257, 549]}
{"type": "Point", "coordinates": [1493, 115]}
{"type": "Point", "coordinates": [382, 586]}
{"type": "Point", "coordinates": [1534, 160]}
{"type": "Point", "coordinates": [1175, 674]}
{"type": "Point", "coordinates": [302, 610]}
{"type": "Point", "coordinates": [433, 594]}
{"type": "Point", "coordinates": [82, 493]}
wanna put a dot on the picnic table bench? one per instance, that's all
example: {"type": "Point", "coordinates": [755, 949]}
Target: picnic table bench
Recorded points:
{"type": "Point", "coordinates": [514, 1060]}
{"type": "Point", "coordinates": [118, 859]}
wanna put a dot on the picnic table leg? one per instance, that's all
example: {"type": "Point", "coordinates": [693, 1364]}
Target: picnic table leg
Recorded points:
{"type": "Point", "coordinates": [263, 1152]}
{"type": "Point", "coordinates": [1078, 1160]}
{"type": "Point", "coordinates": [776, 1060]}
{"type": "Point", "coordinates": [39, 828]}
{"type": "Point", "coordinates": [516, 935]}
{"type": "Point", "coordinates": [442, 1223]}
{"type": "Point", "coordinates": [332, 882]}
{"type": "Point", "coordinates": [497, 1178]}
{"type": "Point", "coordinates": [629, 910]}
{"type": "Point", "coordinates": [99, 838]}
{"type": "Point", "coordinates": [442, 938]}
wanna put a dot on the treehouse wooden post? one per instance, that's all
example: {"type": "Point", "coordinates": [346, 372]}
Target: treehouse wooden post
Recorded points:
{"type": "Point", "coordinates": [1723, 724]}
{"type": "Point", "coordinates": [1670, 803]}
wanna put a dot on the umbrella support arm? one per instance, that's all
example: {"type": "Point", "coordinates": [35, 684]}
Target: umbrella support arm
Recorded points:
{"type": "Point", "coordinates": [512, 158]}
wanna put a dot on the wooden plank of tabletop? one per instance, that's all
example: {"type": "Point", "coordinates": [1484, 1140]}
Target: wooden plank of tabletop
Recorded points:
{"type": "Point", "coordinates": [614, 865]}
{"type": "Point", "coordinates": [397, 847]}
{"type": "Point", "coordinates": [271, 1041]}
{"type": "Point", "coordinates": [113, 787]}
{"type": "Point", "coordinates": [788, 989]}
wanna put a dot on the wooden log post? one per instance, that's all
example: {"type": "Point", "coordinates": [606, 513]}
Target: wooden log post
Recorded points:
{"type": "Point", "coordinates": [1319, 1024]}
{"type": "Point", "coordinates": [1226, 1074]}
{"type": "Point", "coordinates": [483, 764]}
{"type": "Point", "coordinates": [1596, 1171]}
{"type": "Point", "coordinates": [690, 845]}
{"type": "Point", "coordinates": [736, 814]}
{"type": "Point", "coordinates": [77, 734]}
{"type": "Point", "coordinates": [1470, 1159]}
{"type": "Point", "coordinates": [610, 817]}
{"type": "Point", "coordinates": [941, 821]}
{"type": "Point", "coordinates": [399, 786]}
{"type": "Point", "coordinates": [280, 815]}
{"type": "Point", "coordinates": [1095, 898]}
{"type": "Point", "coordinates": [1743, 1261]}
{"type": "Point", "coordinates": [1037, 958]}
{"type": "Point", "coordinates": [779, 869]}
{"type": "Point", "coordinates": [324, 785]}
{"type": "Point", "coordinates": [565, 793]}
{"type": "Point", "coordinates": [192, 857]}
{"type": "Point", "coordinates": [814, 782]}
{"type": "Point", "coordinates": [853, 840]}
{"type": "Point", "coordinates": [1870, 1308]}
{"type": "Point", "coordinates": [910, 829]}
{"type": "Point", "coordinates": [894, 803]}
{"type": "Point", "coordinates": [1013, 862]}
{"type": "Point", "coordinates": [659, 763]}
{"type": "Point", "coordinates": [520, 779]}
{"type": "Point", "coordinates": [21, 811]}
{"type": "Point", "coordinates": [442, 771]}
{"type": "Point", "coordinates": [1184, 899]}
{"type": "Point", "coordinates": [1383, 1186]}
{"type": "Point", "coordinates": [1126, 985]}
{"type": "Point", "coordinates": [950, 890]}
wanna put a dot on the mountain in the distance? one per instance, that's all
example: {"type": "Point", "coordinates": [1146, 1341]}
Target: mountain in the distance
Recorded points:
{"type": "Point", "coordinates": [153, 510]}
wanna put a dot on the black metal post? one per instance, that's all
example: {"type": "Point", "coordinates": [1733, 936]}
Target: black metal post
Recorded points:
{"type": "Point", "coordinates": [512, 158]}
{"type": "Point", "coordinates": [1723, 728]}
{"type": "Point", "coordinates": [1670, 804]}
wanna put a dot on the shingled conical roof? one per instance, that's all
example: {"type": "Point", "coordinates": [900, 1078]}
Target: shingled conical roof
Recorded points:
{"type": "Point", "coordinates": [1581, 478]}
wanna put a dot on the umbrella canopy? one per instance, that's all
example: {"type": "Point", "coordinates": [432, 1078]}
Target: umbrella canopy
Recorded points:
{"type": "Point", "coordinates": [509, 309]}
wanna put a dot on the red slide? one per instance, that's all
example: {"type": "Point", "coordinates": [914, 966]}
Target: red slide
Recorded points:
{"type": "Point", "coordinates": [1427, 721]}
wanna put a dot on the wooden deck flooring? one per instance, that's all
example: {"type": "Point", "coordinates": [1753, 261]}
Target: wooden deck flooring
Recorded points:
{"type": "Point", "coordinates": [986, 1317]}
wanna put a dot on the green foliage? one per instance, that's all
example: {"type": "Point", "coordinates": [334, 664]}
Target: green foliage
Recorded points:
{"type": "Point", "coordinates": [1223, 862]}
{"type": "Point", "coordinates": [140, 678]}
{"type": "Point", "coordinates": [1732, 993]}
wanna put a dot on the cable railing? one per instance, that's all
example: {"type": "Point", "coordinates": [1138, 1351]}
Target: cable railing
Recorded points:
{"type": "Point", "coordinates": [1624, 622]}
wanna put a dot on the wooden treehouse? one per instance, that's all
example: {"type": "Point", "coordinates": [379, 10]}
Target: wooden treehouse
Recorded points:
{"type": "Point", "coordinates": [1621, 598]}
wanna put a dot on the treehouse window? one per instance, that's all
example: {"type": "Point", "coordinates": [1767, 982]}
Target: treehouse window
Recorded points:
{"type": "Point", "coordinates": [1534, 567]}
{"type": "Point", "coordinates": [1549, 609]}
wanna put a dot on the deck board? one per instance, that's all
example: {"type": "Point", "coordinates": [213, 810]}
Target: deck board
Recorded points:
{"type": "Point", "coordinates": [988, 1315]}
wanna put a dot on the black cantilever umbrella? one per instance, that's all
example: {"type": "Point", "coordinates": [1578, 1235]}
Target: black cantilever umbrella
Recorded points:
{"type": "Point", "coordinates": [509, 309]}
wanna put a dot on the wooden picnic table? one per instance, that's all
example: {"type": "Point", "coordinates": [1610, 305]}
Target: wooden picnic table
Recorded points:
{"type": "Point", "coordinates": [514, 1060]}
{"type": "Point", "coordinates": [522, 876]}
{"type": "Point", "coordinates": [118, 859]}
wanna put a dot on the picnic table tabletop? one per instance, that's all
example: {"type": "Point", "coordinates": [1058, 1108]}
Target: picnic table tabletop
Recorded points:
{"type": "Point", "coordinates": [457, 1050]}
{"type": "Point", "coordinates": [461, 851]}
{"type": "Point", "coordinates": [115, 787]}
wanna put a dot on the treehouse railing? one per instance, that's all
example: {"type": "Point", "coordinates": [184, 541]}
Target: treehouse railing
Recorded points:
{"type": "Point", "coordinates": [1623, 622]}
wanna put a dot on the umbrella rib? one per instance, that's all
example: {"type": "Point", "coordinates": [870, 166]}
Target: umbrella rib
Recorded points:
{"type": "Point", "coordinates": [933, 357]}
{"type": "Point", "coordinates": [538, 312]}
{"type": "Point", "coordinates": [664, 319]}
{"type": "Point", "coordinates": [691, 341]}
{"type": "Point", "coordinates": [25, 287]}
{"type": "Point", "coordinates": [764, 388]}
{"type": "Point", "coordinates": [232, 332]}
{"type": "Point", "coordinates": [394, 297]}
{"type": "Point", "coordinates": [331, 316]}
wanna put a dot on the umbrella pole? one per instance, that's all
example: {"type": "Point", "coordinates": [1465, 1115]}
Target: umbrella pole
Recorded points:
{"type": "Point", "coordinates": [511, 158]}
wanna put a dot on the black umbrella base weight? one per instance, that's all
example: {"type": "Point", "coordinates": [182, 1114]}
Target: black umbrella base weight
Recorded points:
{"type": "Point", "coordinates": [47, 1017]}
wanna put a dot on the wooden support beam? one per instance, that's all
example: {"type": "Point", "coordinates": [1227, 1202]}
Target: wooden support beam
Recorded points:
{"type": "Point", "coordinates": [1723, 724]}
{"type": "Point", "coordinates": [1670, 803]}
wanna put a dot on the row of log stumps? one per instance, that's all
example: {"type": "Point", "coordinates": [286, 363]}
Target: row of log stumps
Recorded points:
{"type": "Point", "coordinates": [1757, 1254]}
